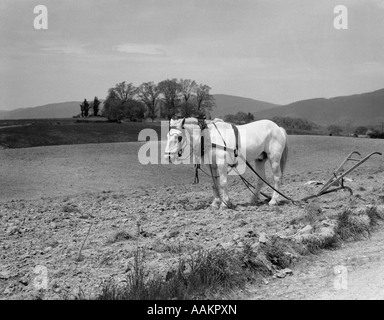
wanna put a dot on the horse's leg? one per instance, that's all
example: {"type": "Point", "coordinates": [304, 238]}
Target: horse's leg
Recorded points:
{"type": "Point", "coordinates": [276, 171]}
{"type": "Point", "coordinates": [215, 188]}
{"type": "Point", "coordinates": [260, 169]}
{"type": "Point", "coordinates": [223, 173]}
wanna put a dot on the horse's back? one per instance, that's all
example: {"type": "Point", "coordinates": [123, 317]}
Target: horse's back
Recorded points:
{"type": "Point", "coordinates": [262, 136]}
{"type": "Point", "coordinates": [261, 129]}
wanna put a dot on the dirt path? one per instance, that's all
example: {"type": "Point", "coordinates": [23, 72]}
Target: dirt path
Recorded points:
{"type": "Point", "coordinates": [361, 278]}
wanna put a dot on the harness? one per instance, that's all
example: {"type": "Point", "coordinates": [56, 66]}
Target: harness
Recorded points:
{"type": "Point", "coordinates": [203, 125]}
{"type": "Point", "coordinates": [233, 166]}
{"type": "Point", "coordinates": [236, 150]}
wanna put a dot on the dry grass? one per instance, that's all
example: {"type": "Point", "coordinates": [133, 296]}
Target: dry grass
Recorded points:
{"type": "Point", "coordinates": [120, 236]}
{"type": "Point", "coordinates": [351, 227]}
{"type": "Point", "coordinates": [203, 272]}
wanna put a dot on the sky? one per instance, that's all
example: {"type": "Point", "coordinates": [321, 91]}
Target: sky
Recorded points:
{"type": "Point", "coordinates": [278, 51]}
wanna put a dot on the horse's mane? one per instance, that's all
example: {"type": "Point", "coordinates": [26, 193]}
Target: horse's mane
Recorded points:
{"type": "Point", "coordinates": [195, 121]}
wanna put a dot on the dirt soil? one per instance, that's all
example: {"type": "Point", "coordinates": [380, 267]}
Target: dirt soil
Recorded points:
{"type": "Point", "coordinates": [51, 197]}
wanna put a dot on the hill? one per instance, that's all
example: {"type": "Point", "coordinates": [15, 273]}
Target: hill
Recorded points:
{"type": "Point", "coordinates": [354, 110]}
{"type": "Point", "coordinates": [227, 104]}
{"type": "Point", "coordinates": [53, 110]}
{"type": "Point", "coordinates": [358, 109]}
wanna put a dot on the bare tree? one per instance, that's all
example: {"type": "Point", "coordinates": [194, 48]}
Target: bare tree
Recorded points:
{"type": "Point", "coordinates": [119, 98]}
{"type": "Point", "coordinates": [123, 91]}
{"type": "Point", "coordinates": [187, 87]}
{"type": "Point", "coordinates": [205, 101]}
{"type": "Point", "coordinates": [149, 93]}
{"type": "Point", "coordinates": [170, 90]}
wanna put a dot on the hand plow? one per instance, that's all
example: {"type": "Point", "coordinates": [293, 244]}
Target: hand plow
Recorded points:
{"type": "Point", "coordinates": [337, 178]}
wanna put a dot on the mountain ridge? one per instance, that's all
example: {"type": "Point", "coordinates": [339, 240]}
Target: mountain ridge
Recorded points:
{"type": "Point", "coordinates": [356, 109]}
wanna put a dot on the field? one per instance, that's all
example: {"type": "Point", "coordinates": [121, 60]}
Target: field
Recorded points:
{"type": "Point", "coordinates": [52, 196]}
{"type": "Point", "coordinates": [48, 132]}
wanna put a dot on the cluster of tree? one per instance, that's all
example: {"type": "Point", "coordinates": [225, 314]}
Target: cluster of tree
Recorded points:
{"type": "Point", "coordinates": [239, 118]}
{"type": "Point", "coordinates": [166, 99]}
{"type": "Point", "coordinates": [334, 130]}
{"type": "Point", "coordinates": [377, 135]}
{"type": "Point", "coordinates": [85, 106]}
{"type": "Point", "coordinates": [295, 123]}
{"type": "Point", "coordinates": [370, 132]}
{"type": "Point", "coordinates": [337, 130]}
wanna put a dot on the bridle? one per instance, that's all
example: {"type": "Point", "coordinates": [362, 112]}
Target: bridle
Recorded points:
{"type": "Point", "coordinates": [202, 125]}
{"type": "Point", "coordinates": [179, 138]}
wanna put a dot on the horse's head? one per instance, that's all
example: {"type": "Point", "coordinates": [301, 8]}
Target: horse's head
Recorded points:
{"type": "Point", "coordinates": [176, 140]}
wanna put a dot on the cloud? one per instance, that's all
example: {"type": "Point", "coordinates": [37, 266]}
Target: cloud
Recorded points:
{"type": "Point", "coordinates": [136, 48]}
{"type": "Point", "coordinates": [66, 49]}
{"type": "Point", "coordinates": [369, 68]}
{"type": "Point", "coordinates": [380, 3]}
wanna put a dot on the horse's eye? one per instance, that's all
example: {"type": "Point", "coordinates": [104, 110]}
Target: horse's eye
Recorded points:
{"type": "Point", "coordinates": [179, 138]}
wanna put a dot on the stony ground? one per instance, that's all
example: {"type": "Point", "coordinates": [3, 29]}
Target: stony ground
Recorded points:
{"type": "Point", "coordinates": [51, 198]}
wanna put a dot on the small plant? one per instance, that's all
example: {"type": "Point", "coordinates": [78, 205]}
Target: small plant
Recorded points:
{"type": "Point", "coordinates": [70, 209]}
{"type": "Point", "coordinates": [313, 213]}
{"type": "Point", "coordinates": [350, 228]}
{"type": "Point", "coordinates": [374, 216]}
{"type": "Point", "coordinates": [120, 236]}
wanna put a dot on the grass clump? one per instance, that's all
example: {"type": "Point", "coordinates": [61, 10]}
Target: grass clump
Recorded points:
{"type": "Point", "coordinates": [68, 208]}
{"type": "Point", "coordinates": [352, 227]}
{"type": "Point", "coordinates": [198, 275]}
{"type": "Point", "coordinates": [120, 236]}
{"type": "Point", "coordinates": [374, 216]}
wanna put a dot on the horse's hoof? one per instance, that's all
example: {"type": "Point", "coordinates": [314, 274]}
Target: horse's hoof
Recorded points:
{"type": "Point", "coordinates": [272, 203]}
{"type": "Point", "coordinates": [215, 206]}
{"type": "Point", "coordinates": [227, 205]}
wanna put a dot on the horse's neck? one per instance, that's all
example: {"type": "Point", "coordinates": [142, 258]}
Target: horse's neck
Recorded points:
{"type": "Point", "coordinates": [195, 135]}
{"type": "Point", "coordinates": [192, 129]}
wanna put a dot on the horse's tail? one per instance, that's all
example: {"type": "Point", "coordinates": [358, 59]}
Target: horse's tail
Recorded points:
{"type": "Point", "coordinates": [284, 156]}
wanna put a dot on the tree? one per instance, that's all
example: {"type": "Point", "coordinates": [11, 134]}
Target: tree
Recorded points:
{"type": "Point", "coordinates": [118, 99]}
{"type": "Point", "coordinates": [205, 101]}
{"type": "Point", "coordinates": [231, 118]}
{"type": "Point", "coordinates": [294, 123]}
{"type": "Point", "coordinates": [112, 105]}
{"type": "Point", "coordinates": [170, 90]}
{"type": "Point", "coordinates": [335, 130]}
{"type": "Point", "coordinates": [133, 110]}
{"type": "Point", "coordinates": [239, 118]}
{"type": "Point", "coordinates": [96, 103]}
{"type": "Point", "coordinates": [149, 93]}
{"type": "Point", "coordinates": [187, 88]}
{"type": "Point", "coordinates": [123, 91]}
{"type": "Point", "coordinates": [361, 130]}
{"type": "Point", "coordinates": [84, 107]}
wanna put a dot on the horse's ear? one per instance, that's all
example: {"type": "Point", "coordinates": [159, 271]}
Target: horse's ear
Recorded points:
{"type": "Point", "coordinates": [182, 122]}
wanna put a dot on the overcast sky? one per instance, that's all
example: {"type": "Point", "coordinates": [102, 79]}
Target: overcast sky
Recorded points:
{"type": "Point", "coordinates": [278, 51]}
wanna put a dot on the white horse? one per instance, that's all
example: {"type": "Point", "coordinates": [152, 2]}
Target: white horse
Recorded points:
{"type": "Point", "coordinates": [258, 141]}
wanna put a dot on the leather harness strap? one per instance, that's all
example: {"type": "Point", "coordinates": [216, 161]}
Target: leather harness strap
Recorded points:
{"type": "Point", "coordinates": [236, 131]}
